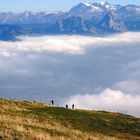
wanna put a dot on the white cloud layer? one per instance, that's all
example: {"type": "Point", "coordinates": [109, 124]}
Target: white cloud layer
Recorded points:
{"type": "Point", "coordinates": [66, 44]}
{"type": "Point", "coordinates": [108, 100]}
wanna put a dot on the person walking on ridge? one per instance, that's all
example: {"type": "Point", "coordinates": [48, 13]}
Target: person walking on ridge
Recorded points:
{"type": "Point", "coordinates": [52, 102]}
{"type": "Point", "coordinates": [66, 106]}
{"type": "Point", "coordinates": [73, 106]}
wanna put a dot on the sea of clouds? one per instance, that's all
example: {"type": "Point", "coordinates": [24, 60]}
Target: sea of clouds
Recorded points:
{"type": "Point", "coordinates": [101, 73]}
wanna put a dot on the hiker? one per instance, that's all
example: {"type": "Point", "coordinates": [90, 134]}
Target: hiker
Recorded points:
{"type": "Point", "coordinates": [52, 102]}
{"type": "Point", "coordinates": [66, 106]}
{"type": "Point", "coordinates": [73, 106]}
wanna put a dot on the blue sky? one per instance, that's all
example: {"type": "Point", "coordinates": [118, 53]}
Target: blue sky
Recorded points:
{"type": "Point", "coordinates": [50, 5]}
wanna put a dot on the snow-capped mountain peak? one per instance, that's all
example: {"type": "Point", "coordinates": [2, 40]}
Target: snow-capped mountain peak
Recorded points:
{"type": "Point", "coordinates": [106, 6]}
{"type": "Point", "coordinates": [88, 4]}
{"type": "Point", "coordinates": [92, 8]}
{"type": "Point", "coordinates": [104, 3]}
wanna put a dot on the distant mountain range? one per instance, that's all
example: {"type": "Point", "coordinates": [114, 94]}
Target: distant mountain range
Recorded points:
{"type": "Point", "coordinates": [84, 18]}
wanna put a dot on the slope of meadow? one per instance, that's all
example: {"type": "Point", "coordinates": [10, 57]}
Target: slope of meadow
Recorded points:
{"type": "Point", "coordinates": [26, 120]}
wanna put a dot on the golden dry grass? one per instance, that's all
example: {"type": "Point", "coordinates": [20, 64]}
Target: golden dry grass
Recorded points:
{"type": "Point", "coordinates": [25, 120]}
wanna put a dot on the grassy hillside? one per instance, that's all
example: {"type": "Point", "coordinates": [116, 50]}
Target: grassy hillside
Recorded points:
{"type": "Point", "coordinates": [25, 120]}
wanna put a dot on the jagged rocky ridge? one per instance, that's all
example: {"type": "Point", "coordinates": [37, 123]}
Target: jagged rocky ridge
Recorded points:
{"type": "Point", "coordinates": [84, 18]}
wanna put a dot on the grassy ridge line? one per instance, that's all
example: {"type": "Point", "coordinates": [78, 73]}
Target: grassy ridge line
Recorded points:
{"type": "Point", "coordinates": [32, 120]}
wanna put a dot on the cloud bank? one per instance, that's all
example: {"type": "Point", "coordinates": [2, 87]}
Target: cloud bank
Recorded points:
{"type": "Point", "coordinates": [108, 100]}
{"type": "Point", "coordinates": [103, 70]}
{"type": "Point", "coordinates": [65, 44]}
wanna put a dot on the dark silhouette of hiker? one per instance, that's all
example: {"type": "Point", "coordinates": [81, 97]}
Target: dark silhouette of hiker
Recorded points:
{"type": "Point", "coordinates": [52, 102]}
{"type": "Point", "coordinates": [73, 106]}
{"type": "Point", "coordinates": [66, 106]}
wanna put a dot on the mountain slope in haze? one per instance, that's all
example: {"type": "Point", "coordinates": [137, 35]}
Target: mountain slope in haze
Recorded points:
{"type": "Point", "coordinates": [109, 23]}
{"type": "Point", "coordinates": [9, 32]}
{"type": "Point", "coordinates": [22, 120]}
